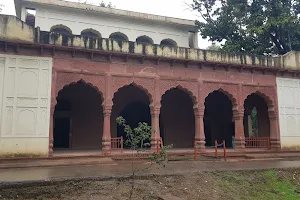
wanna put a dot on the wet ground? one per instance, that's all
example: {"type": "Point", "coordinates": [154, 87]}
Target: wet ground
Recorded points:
{"type": "Point", "coordinates": [124, 169]}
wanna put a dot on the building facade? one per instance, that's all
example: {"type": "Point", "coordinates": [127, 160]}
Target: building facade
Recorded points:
{"type": "Point", "coordinates": [289, 111]}
{"type": "Point", "coordinates": [107, 23]}
{"type": "Point", "coordinates": [62, 88]}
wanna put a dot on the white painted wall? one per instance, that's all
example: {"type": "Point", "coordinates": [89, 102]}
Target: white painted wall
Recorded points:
{"type": "Point", "coordinates": [289, 111]}
{"type": "Point", "coordinates": [78, 20]}
{"type": "Point", "coordinates": [25, 85]}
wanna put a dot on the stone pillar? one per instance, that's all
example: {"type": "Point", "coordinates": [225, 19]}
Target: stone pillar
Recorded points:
{"type": "Point", "coordinates": [51, 129]}
{"type": "Point", "coordinates": [155, 133]}
{"type": "Point", "coordinates": [239, 130]}
{"type": "Point", "coordinates": [106, 138]}
{"type": "Point", "coordinates": [199, 129]}
{"type": "Point", "coordinates": [274, 130]}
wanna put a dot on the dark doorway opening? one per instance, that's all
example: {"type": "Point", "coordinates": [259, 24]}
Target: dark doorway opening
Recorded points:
{"type": "Point", "coordinates": [62, 130]}
{"type": "Point", "coordinates": [134, 113]}
{"type": "Point", "coordinates": [177, 120]}
{"type": "Point", "coordinates": [256, 118]}
{"type": "Point", "coordinates": [218, 122]}
{"type": "Point", "coordinates": [62, 124]}
{"type": "Point", "coordinates": [132, 103]}
{"type": "Point", "coordinates": [78, 118]}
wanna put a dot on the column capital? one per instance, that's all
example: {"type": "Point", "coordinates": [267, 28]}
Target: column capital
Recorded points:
{"type": "Point", "coordinates": [237, 115]}
{"type": "Point", "coordinates": [272, 115]}
{"type": "Point", "coordinates": [199, 111]}
{"type": "Point", "coordinates": [155, 111]}
{"type": "Point", "coordinates": [107, 111]}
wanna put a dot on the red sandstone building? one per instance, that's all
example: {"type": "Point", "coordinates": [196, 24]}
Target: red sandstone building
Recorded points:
{"type": "Point", "coordinates": [185, 93]}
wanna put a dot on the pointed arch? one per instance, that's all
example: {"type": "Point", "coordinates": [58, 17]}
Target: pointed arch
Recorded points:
{"type": "Point", "coordinates": [79, 123]}
{"type": "Point", "coordinates": [226, 93]}
{"type": "Point", "coordinates": [187, 91]}
{"type": "Point", "coordinates": [230, 90]}
{"type": "Point", "coordinates": [190, 87]}
{"type": "Point", "coordinates": [91, 33]}
{"type": "Point", "coordinates": [218, 117]}
{"type": "Point", "coordinates": [168, 42]}
{"type": "Point", "coordinates": [59, 90]}
{"type": "Point", "coordinates": [256, 116]}
{"type": "Point", "coordinates": [131, 101]}
{"type": "Point", "coordinates": [119, 36]}
{"type": "Point", "coordinates": [145, 84]}
{"type": "Point", "coordinates": [144, 40]}
{"type": "Point", "coordinates": [63, 79]}
{"type": "Point", "coordinates": [140, 87]}
{"type": "Point", "coordinates": [267, 93]}
{"type": "Point", "coordinates": [177, 117]}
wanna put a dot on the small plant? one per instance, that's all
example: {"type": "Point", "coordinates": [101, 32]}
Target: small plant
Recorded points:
{"type": "Point", "coordinates": [138, 139]}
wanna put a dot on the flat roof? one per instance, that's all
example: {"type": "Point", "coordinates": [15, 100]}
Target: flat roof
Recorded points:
{"type": "Point", "coordinates": [111, 11]}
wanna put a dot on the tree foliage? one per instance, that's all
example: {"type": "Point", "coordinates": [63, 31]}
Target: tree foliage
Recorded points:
{"type": "Point", "coordinates": [214, 47]}
{"type": "Point", "coordinates": [252, 26]}
{"type": "Point", "coordinates": [254, 121]}
{"type": "Point", "coordinates": [1, 7]}
{"type": "Point", "coordinates": [102, 3]}
{"type": "Point", "coordinates": [107, 5]}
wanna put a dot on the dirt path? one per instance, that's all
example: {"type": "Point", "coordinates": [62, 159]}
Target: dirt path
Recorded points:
{"type": "Point", "coordinates": [124, 169]}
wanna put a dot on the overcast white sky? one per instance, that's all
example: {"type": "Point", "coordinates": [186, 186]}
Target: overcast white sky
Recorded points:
{"type": "Point", "coordinates": [170, 8]}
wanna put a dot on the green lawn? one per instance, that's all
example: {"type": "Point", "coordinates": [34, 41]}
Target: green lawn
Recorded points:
{"type": "Point", "coordinates": [259, 185]}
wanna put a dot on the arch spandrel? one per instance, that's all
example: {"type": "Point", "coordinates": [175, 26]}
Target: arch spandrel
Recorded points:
{"type": "Point", "coordinates": [191, 88]}
{"type": "Point", "coordinates": [267, 93]}
{"type": "Point", "coordinates": [65, 79]}
{"type": "Point", "coordinates": [230, 90]}
{"type": "Point", "coordinates": [146, 84]}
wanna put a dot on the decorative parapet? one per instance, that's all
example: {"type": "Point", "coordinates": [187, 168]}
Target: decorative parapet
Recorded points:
{"type": "Point", "coordinates": [14, 30]}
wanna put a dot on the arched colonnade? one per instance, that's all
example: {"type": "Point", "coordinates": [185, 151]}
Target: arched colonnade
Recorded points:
{"type": "Point", "coordinates": [179, 111]}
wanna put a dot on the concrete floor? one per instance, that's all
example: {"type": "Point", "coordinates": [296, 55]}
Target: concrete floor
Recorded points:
{"type": "Point", "coordinates": [72, 152]}
{"type": "Point", "coordinates": [124, 169]}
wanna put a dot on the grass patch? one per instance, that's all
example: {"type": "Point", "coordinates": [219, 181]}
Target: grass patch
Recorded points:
{"type": "Point", "coordinates": [263, 185]}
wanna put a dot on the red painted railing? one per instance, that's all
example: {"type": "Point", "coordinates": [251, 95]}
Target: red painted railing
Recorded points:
{"type": "Point", "coordinates": [198, 143]}
{"type": "Point", "coordinates": [117, 144]}
{"type": "Point", "coordinates": [257, 143]}
{"type": "Point", "coordinates": [224, 149]}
